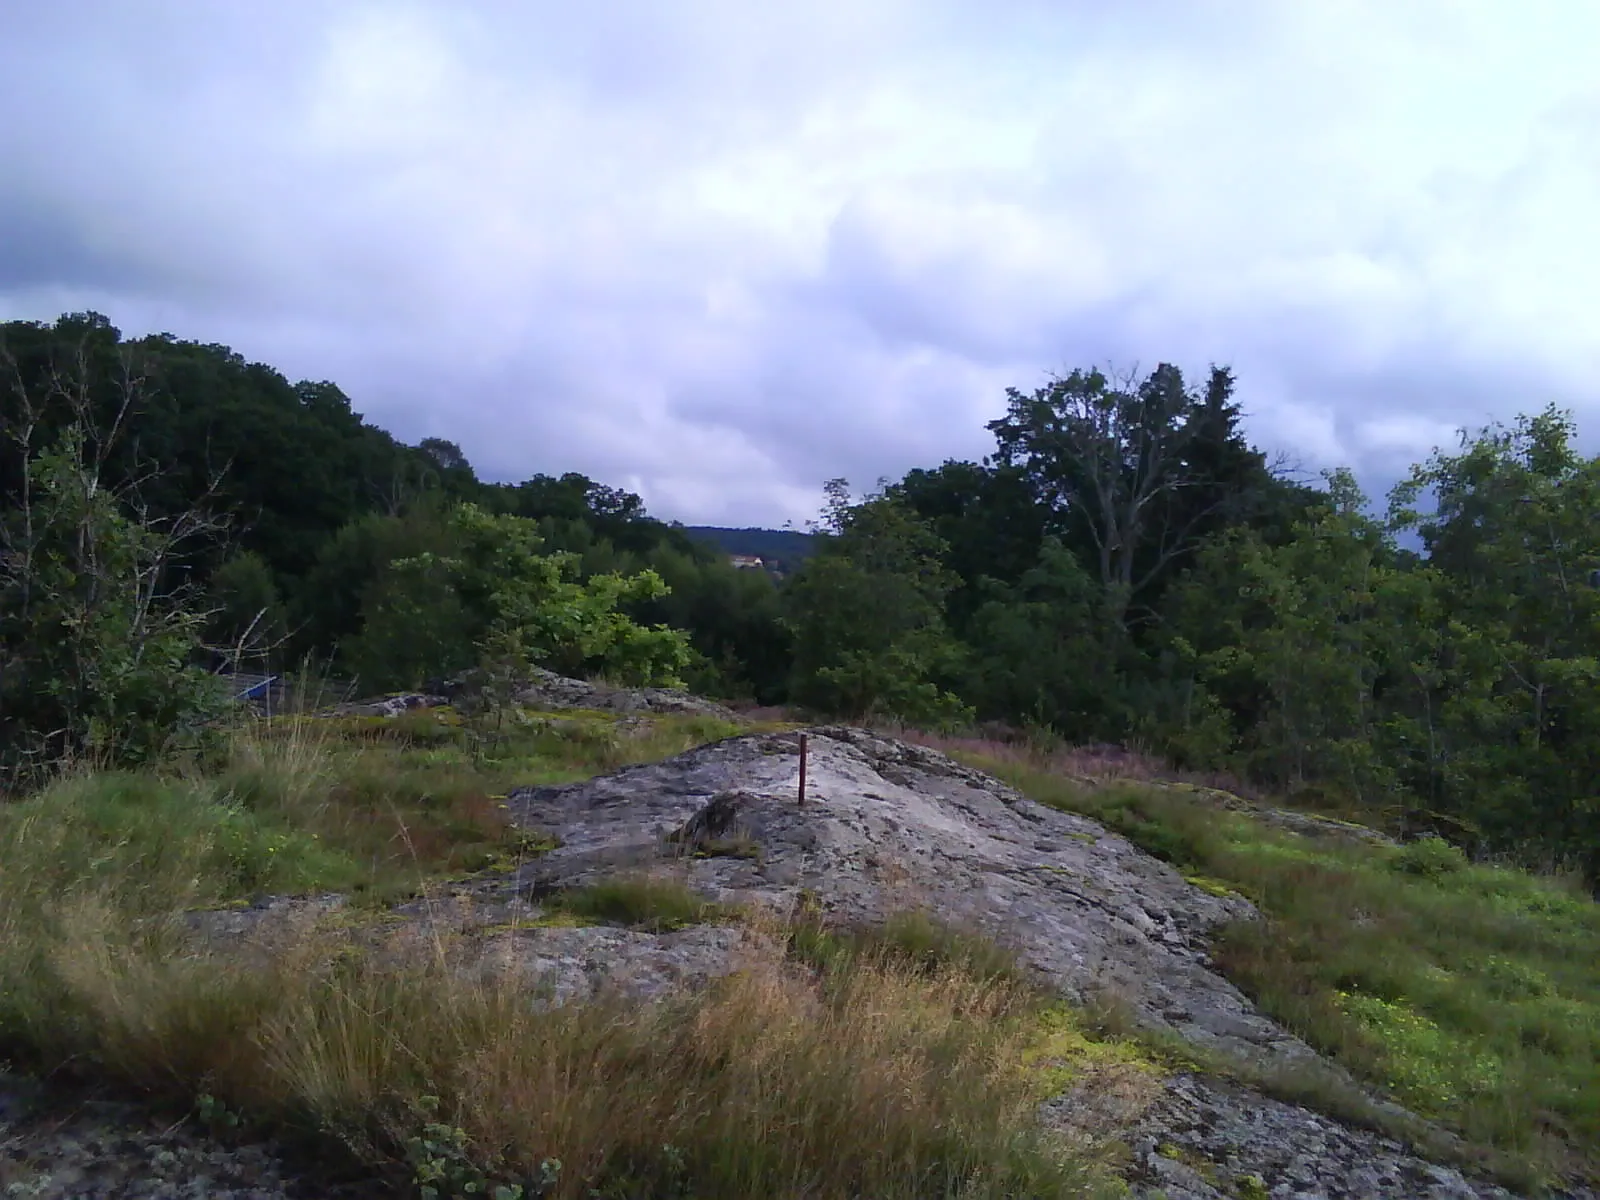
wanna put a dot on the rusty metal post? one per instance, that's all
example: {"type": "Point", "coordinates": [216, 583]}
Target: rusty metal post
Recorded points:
{"type": "Point", "coordinates": [802, 768]}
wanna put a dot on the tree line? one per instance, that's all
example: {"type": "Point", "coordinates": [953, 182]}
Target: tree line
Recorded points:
{"type": "Point", "coordinates": [1124, 567]}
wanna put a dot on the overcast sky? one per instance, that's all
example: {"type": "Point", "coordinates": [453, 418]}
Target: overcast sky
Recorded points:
{"type": "Point", "coordinates": [717, 251]}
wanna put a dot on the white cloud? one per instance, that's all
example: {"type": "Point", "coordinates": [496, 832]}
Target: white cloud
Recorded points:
{"type": "Point", "coordinates": [727, 251]}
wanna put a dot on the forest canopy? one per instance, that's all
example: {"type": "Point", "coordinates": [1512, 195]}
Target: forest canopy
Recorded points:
{"type": "Point", "coordinates": [1124, 567]}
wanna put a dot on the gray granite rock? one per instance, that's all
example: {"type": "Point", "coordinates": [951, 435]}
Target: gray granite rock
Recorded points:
{"type": "Point", "coordinates": [1205, 1139]}
{"type": "Point", "coordinates": [546, 689]}
{"type": "Point", "coordinates": [387, 706]}
{"type": "Point", "coordinates": [57, 1143]}
{"type": "Point", "coordinates": [888, 826]}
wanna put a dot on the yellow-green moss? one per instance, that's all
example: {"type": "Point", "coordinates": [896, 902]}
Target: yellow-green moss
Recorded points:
{"type": "Point", "coordinates": [1065, 1047]}
{"type": "Point", "coordinates": [1214, 887]}
{"type": "Point", "coordinates": [1199, 1164]}
{"type": "Point", "coordinates": [548, 918]}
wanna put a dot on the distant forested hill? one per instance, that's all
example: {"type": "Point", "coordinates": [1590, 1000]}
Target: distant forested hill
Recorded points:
{"type": "Point", "coordinates": [788, 546]}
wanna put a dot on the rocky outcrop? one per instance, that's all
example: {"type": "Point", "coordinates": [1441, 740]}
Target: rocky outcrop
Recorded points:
{"type": "Point", "coordinates": [62, 1143]}
{"type": "Point", "coordinates": [547, 690]}
{"type": "Point", "coordinates": [1205, 1139]}
{"type": "Point", "coordinates": [559, 961]}
{"type": "Point", "coordinates": [387, 706]}
{"type": "Point", "coordinates": [1308, 824]}
{"type": "Point", "coordinates": [887, 826]}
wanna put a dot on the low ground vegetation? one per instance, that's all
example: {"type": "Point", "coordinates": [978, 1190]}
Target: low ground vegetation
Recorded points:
{"type": "Point", "coordinates": [1124, 567]}
{"type": "Point", "coordinates": [906, 1061]}
{"type": "Point", "coordinates": [1468, 992]}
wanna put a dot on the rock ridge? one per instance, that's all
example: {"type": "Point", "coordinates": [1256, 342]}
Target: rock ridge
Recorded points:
{"type": "Point", "coordinates": [889, 826]}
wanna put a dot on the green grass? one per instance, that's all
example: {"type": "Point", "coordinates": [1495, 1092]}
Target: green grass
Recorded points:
{"type": "Point", "coordinates": [1470, 994]}
{"type": "Point", "coordinates": [640, 902]}
{"type": "Point", "coordinates": [906, 1070]}
{"type": "Point", "coordinates": [146, 840]}
{"type": "Point", "coordinates": [372, 807]}
{"type": "Point", "coordinates": [912, 938]}
{"type": "Point", "coordinates": [889, 1082]}
{"type": "Point", "coordinates": [421, 796]}
{"type": "Point", "coordinates": [904, 1061]}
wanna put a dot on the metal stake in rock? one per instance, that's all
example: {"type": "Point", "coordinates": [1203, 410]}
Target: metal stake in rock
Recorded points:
{"type": "Point", "coordinates": [802, 768]}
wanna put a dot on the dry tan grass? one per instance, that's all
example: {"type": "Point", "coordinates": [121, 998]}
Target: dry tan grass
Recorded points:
{"type": "Point", "coordinates": [871, 1077]}
{"type": "Point", "coordinates": [870, 1073]}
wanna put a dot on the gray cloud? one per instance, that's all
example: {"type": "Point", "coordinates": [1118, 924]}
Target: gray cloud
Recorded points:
{"type": "Point", "coordinates": [718, 252]}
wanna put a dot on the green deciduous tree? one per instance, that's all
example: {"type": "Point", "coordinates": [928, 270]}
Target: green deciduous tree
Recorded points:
{"type": "Point", "coordinates": [867, 614]}
{"type": "Point", "coordinates": [1135, 472]}
{"type": "Point", "coordinates": [494, 592]}
{"type": "Point", "coordinates": [733, 619]}
{"type": "Point", "coordinates": [990, 521]}
{"type": "Point", "coordinates": [1293, 639]}
{"type": "Point", "coordinates": [1513, 529]}
{"type": "Point", "coordinates": [98, 639]}
{"type": "Point", "coordinates": [247, 620]}
{"type": "Point", "coordinates": [1040, 651]}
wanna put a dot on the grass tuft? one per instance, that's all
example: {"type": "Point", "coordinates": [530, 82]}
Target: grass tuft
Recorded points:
{"type": "Point", "coordinates": [886, 1078]}
{"type": "Point", "coordinates": [912, 939]}
{"type": "Point", "coordinates": [641, 902]}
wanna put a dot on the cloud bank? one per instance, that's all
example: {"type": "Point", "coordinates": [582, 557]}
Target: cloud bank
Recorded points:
{"type": "Point", "coordinates": [717, 252]}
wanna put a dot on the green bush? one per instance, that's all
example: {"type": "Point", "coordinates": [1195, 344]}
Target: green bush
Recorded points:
{"type": "Point", "coordinates": [1431, 857]}
{"type": "Point", "coordinates": [97, 651]}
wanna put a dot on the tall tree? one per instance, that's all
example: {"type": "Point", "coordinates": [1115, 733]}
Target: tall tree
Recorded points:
{"type": "Point", "coordinates": [733, 618]}
{"type": "Point", "coordinates": [494, 593]}
{"type": "Point", "coordinates": [99, 635]}
{"type": "Point", "coordinates": [1512, 531]}
{"type": "Point", "coordinates": [1293, 639]}
{"type": "Point", "coordinates": [1136, 472]}
{"type": "Point", "coordinates": [294, 461]}
{"type": "Point", "coordinates": [1038, 653]}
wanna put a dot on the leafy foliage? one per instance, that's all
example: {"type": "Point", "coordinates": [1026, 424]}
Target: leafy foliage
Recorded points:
{"type": "Point", "coordinates": [247, 615]}
{"type": "Point", "coordinates": [1136, 472]}
{"type": "Point", "coordinates": [1456, 693]}
{"type": "Point", "coordinates": [1127, 568]}
{"type": "Point", "coordinates": [494, 594]}
{"type": "Point", "coordinates": [326, 502]}
{"type": "Point", "coordinates": [867, 616]}
{"type": "Point", "coordinates": [781, 550]}
{"type": "Point", "coordinates": [1471, 993]}
{"type": "Point", "coordinates": [96, 648]}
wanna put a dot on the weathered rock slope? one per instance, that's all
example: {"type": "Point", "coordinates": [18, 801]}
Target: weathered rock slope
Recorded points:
{"type": "Point", "coordinates": [546, 689]}
{"type": "Point", "coordinates": [60, 1143]}
{"type": "Point", "coordinates": [887, 827]}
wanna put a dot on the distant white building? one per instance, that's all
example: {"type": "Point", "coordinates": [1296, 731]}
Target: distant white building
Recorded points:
{"type": "Point", "coordinates": [746, 562]}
